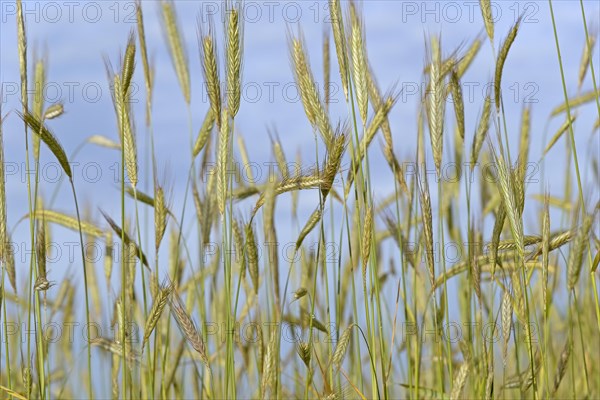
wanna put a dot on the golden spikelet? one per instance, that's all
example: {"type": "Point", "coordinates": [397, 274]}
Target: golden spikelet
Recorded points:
{"type": "Point", "coordinates": [577, 249]}
{"type": "Point", "coordinates": [156, 311]}
{"type": "Point", "coordinates": [460, 380]}
{"type": "Point", "coordinates": [333, 161]}
{"type": "Point", "coordinates": [467, 60]}
{"type": "Point", "coordinates": [209, 206]}
{"type": "Point", "coordinates": [208, 57]}
{"type": "Point", "coordinates": [557, 240]}
{"type": "Point", "coordinates": [489, 384]}
{"type": "Point", "coordinates": [524, 151]}
{"type": "Point", "coordinates": [561, 368]}
{"type": "Point", "coordinates": [476, 274]}
{"type": "Point", "coordinates": [459, 146]}
{"type": "Point", "coordinates": [238, 240]}
{"type": "Point", "coordinates": [367, 242]}
{"type": "Point", "coordinates": [130, 251]}
{"type": "Point", "coordinates": [176, 49]}
{"type": "Point", "coordinates": [40, 249]}
{"type": "Point", "coordinates": [22, 50]}
{"type": "Point", "coordinates": [574, 102]}
{"type": "Point", "coordinates": [488, 20]}
{"type": "Point", "coordinates": [67, 221]}
{"type": "Point", "coordinates": [70, 301]}
{"type": "Point", "coordinates": [296, 183]}
{"type": "Point", "coordinates": [205, 130]}
{"type": "Point", "coordinates": [377, 101]}
{"type": "Point", "coordinates": [309, 319]}
{"type": "Point", "coordinates": [426, 218]}
{"type": "Point", "coordinates": [359, 62]}
{"type": "Point", "coordinates": [187, 326]}
{"type": "Point", "coordinates": [586, 57]}
{"type": "Point", "coordinates": [519, 296]}
{"type": "Point", "coordinates": [313, 220]}
{"type": "Point", "coordinates": [390, 157]}
{"type": "Point", "coordinates": [436, 102]}
{"type": "Point", "coordinates": [326, 69]}
{"type": "Point", "coordinates": [139, 196]}
{"type": "Point", "coordinates": [128, 65]}
{"type": "Point", "coordinates": [92, 279]}
{"type": "Point", "coordinates": [379, 120]}
{"type": "Point", "coordinates": [482, 129]}
{"type": "Point", "coordinates": [506, 316]}
{"type": "Point", "coordinates": [380, 117]}
{"type": "Point", "coordinates": [223, 161]}
{"type": "Point", "coordinates": [115, 348]}
{"type": "Point", "coordinates": [502, 59]}
{"type": "Point", "coordinates": [49, 139]}
{"type": "Point", "coordinates": [122, 108]}
{"type": "Point", "coordinates": [528, 240]}
{"type": "Point", "coordinates": [459, 106]}
{"type": "Point", "coordinates": [341, 348]}
{"type": "Point", "coordinates": [303, 182]}
{"type": "Point", "coordinates": [54, 111]}
{"type": "Point", "coordinates": [388, 148]}
{"type": "Point", "coordinates": [9, 263]}
{"type": "Point", "coordinates": [447, 65]}
{"type": "Point", "coordinates": [27, 381]}
{"type": "Point", "coordinates": [234, 60]}
{"type": "Point", "coordinates": [127, 239]}
{"type": "Point", "coordinates": [252, 252]}
{"type": "Point", "coordinates": [300, 293]}
{"type": "Point", "coordinates": [302, 74]}
{"type": "Point", "coordinates": [508, 265]}
{"type": "Point", "coordinates": [103, 141]}
{"type": "Point", "coordinates": [506, 188]}
{"type": "Point", "coordinates": [160, 216]}
{"type": "Point", "coordinates": [175, 261]}
{"type": "Point", "coordinates": [198, 204]}
{"type": "Point", "coordinates": [38, 101]}
{"type": "Point", "coordinates": [108, 256]}
{"type": "Point", "coordinates": [304, 352]}
{"type": "Point", "coordinates": [114, 376]}
{"type": "Point", "coordinates": [268, 370]}
{"type": "Point", "coordinates": [269, 211]}
{"type": "Point", "coordinates": [270, 236]}
{"type": "Point", "coordinates": [39, 82]}
{"type": "Point", "coordinates": [245, 158]}
{"type": "Point", "coordinates": [315, 112]}
{"type": "Point", "coordinates": [563, 128]}
{"type": "Point", "coordinates": [280, 157]}
{"type": "Point", "coordinates": [148, 77]}
{"type": "Point", "coordinates": [154, 286]}
{"type": "Point", "coordinates": [3, 224]}
{"type": "Point", "coordinates": [545, 252]}
{"type": "Point", "coordinates": [337, 26]}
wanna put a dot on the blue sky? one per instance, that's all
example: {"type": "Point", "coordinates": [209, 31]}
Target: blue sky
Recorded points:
{"type": "Point", "coordinates": [76, 36]}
